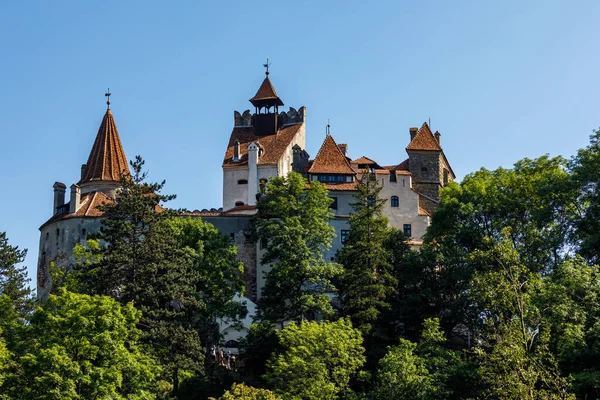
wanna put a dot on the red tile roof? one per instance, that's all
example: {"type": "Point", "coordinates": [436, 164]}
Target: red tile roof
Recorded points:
{"type": "Point", "coordinates": [266, 91]}
{"type": "Point", "coordinates": [424, 140]}
{"type": "Point", "coordinates": [88, 207]}
{"type": "Point", "coordinates": [423, 211]}
{"type": "Point", "coordinates": [273, 145]}
{"type": "Point", "coordinates": [330, 160]}
{"type": "Point", "coordinates": [364, 160]}
{"type": "Point", "coordinates": [403, 166]}
{"type": "Point", "coordinates": [341, 187]}
{"type": "Point", "coordinates": [107, 159]}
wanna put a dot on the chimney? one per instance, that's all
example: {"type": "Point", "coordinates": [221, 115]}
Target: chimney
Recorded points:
{"type": "Point", "coordinates": [82, 171]}
{"type": "Point", "coordinates": [75, 201]}
{"type": "Point", "coordinates": [413, 133]}
{"type": "Point", "coordinates": [236, 151]}
{"type": "Point", "coordinates": [253, 155]}
{"type": "Point", "coordinates": [437, 135]}
{"type": "Point", "coordinates": [59, 195]}
{"type": "Point", "coordinates": [344, 148]}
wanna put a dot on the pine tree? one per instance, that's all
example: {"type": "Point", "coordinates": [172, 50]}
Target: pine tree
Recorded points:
{"type": "Point", "coordinates": [367, 283]}
{"type": "Point", "coordinates": [145, 264]}
{"type": "Point", "coordinates": [13, 279]}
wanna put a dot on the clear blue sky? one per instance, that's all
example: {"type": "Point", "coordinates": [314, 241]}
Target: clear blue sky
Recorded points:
{"type": "Point", "coordinates": [501, 80]}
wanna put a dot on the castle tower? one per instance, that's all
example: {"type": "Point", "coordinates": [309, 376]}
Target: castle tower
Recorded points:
{"type": "Point", "coordinates": [72, 221]}
{"type": "Point", "coordinates": [106, 162]}
{"type": "Point", "coordinates": [261, 146]}
{"type": "Point", "coordinates": [428, 166]}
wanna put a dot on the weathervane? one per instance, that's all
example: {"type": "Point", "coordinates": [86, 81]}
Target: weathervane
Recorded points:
{"type": "Point", "coordinates": [328, 130]}
{"type": "Point", "coordinates": [107, 94]}
{"type": "Point", "coordinates": [267, 67]}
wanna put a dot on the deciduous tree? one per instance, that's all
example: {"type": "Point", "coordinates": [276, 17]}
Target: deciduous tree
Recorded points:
{"type": "Point", "coordinates": [317, 360]}
{"type": "Point", "coordinates": [292, 219]}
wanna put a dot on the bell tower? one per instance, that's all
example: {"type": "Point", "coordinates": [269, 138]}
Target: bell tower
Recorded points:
{"type": "Point", "coordinates": [266, 103]}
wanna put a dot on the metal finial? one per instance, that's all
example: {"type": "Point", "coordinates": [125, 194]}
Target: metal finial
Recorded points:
{"type": "Point", "coordinates": [107, 94]}
{"type": "Point", "coordinates": [267, 67]}
{"type": "Point", "coordinates": [328, 129]}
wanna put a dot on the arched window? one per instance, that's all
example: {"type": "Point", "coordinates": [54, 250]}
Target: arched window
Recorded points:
{"type": "Point", "coordinates": [242, 181]}
{"type": "Point", "coordinates": [395, 201]}
{"type": "Point", "coordinates": [239, 203]}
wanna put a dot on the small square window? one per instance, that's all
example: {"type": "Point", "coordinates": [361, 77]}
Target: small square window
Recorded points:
{"type": "Point", "coordinates": [344, 235]}
{"type": "Point", "coordinates": [334, 204]}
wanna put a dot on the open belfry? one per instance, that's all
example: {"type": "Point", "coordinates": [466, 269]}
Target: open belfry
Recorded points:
{"type": "Point", "coordinates": [264, 143]}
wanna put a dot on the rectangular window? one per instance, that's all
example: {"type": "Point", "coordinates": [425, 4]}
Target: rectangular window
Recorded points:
{"type": "Point", "coordinates": [407, 230]}
{"type": "Point", "coordinates": [331, 178]}
{"type": "Point", "coordinates": [333, 205]}
{"type": "Point", "coordinates": [344, 234]}
{"type": "Point", "coordinates": [341, 178]}
{"type": "Point", "coordinates": [392, 176]}
{"type": "Point", "coordinates": [263, 243]}
{"type": "Point", "coordinates": [83, 233]}
{"type": "Point", "coordinates": [322, 178]}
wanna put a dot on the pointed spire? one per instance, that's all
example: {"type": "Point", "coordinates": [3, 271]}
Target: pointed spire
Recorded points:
{"type": "Point", "coordinates": [330, 160]}
{"type": "Point", "coordinates": [266, 96]}
{"type": "Point", "coordinates": [424, 140]}
{"type": "Point", "coordinates": [107, 159]}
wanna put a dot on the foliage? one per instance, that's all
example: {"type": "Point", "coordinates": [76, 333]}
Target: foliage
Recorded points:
{"type": "Point", "coordinates": [243, 392]}
{"type": "Point", "coordinates": [84, 346]}
{"type": "Point", "coordinates": [257, 348]}
{"type": "Point", "coordinates": [571, 298]}
{"type": "Point", "coordinates": [585, 167]}
{"type": "Point", "coordinates": [427, 370]}
{"type": "Point", "coordinates": [367, 283]}
{"type": "Point", "coordinates": [219, 274]}
{"type": "Point", "coordinates": [516, 362]}
{"type": "Point", "coordinates": [14, 282]}
{"type": "Point", "coordinates": [317, 360]}
{"type": "Point", "coordinates": [293, 218]}
{"type": "Point", "coordinates": [147, 265]}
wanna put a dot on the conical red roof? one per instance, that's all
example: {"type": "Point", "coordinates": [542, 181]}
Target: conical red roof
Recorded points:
{"type": "Point", "coordinates": [330, 160]}
{"type": "Point", "coordinates": [424, 140]}
{"type": "Point", "coordinates": [107, 159]}
{"type": "Point", "coordinates": [266, 93]}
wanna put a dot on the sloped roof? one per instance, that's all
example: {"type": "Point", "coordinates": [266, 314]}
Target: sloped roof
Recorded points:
{"type": "Point", "coordinates": [107, 159]}
{"type": "Point", "coordinates": [88, 207]}
{"type": "Point", "coordinates": [403, 166]}
{"type": "Point", "coordinates": [273, 145]}
{"type": "Point", "coordinates": [330, 160]}
{"type": "Point", "coordinates": [424, 140]}
{"type": "Point", "coordinates": [266, 91]}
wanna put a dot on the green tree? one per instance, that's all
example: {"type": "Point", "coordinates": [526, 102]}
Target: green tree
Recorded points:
{"type": "Point", "coordinates": [367, 283]}
{"type": "Point", "coordinates": [293, 219]}
{"type": "Point", "coordinates": [515, 359]}
{"type": "Point", "coordinates": [427, 370]}
{"type": "Point", "coordinates": [317, 360]}
{"type": "Point", "coordinates": [571, 300]}
{"type": "Point", "coordinates": [243, 392]}
{"type": "Point", "coordinates": [535, 200]}
{"type": "Point", "coordinates": [585, 167]}
{"type": "Point", "coordinates": [219, 274]}
{"type": "Point", "coordinates": [402, 374]}
{"type": "Point", "coordinates": [14, 282]}
{"type": "Point", "coordinates": [85, 347]}
{"type": "Point", "coordinates": [145, 263]}
{"type": "Point", "coordinates": [257, 348]}
{"type": "Point", "coordinates": [6, 363]}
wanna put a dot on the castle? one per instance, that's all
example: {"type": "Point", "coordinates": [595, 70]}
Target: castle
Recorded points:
{"type": "Point", "coordinates": [263, 144]}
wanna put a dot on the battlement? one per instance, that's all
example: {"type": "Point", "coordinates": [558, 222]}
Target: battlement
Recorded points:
{"type": "Point", "coordinates": [292, 116]}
